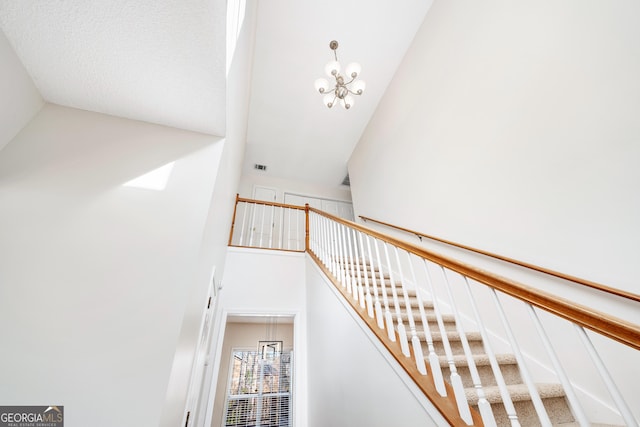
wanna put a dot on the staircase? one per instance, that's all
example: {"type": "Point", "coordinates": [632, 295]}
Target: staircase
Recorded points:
{"type": "Point", "coordinates": [362, 262]}
{"type": "Point", "coordinates": [552, 395]}
{"type": "Point", "coordinates": [467, 379]}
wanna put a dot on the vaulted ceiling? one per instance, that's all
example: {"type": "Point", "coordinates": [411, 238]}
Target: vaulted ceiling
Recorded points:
{"type": "Point", "coordinates": [164, 62]}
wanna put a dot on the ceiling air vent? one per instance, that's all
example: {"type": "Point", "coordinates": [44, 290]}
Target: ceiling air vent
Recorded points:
{"type": "Point", "coordinates": [346, 181]}
{"type": "Point", "coordinates": [260, 167]}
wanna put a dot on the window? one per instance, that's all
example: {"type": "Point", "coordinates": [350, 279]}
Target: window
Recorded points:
{"type": "Point", "coordinates": [259, 390]}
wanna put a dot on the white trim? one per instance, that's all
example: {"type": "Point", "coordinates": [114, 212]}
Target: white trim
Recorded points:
{"type": "Point", "coordinates": [199, 364]}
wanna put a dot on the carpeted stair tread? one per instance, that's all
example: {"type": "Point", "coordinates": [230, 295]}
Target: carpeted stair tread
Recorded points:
{"type": "Point", "coordinates": [479, 359]}
{"type": "Point", "coordinates": [518, 392]}
{"type": "Point", "coordinates": [451, 335]}
{"type": "Point", "coordinates": [432, 321]}
{"type": "Point", "coordinates": [413, 302]}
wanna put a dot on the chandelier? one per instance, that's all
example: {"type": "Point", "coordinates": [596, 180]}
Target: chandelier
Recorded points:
{"type": "Point", "coordinates": [345, 86]}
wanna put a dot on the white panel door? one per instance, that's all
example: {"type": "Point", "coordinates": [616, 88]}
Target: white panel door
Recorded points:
{"type": "Point", "coordinates": [264, 193]}
{"type": "Point", "coordinates": [345, 210]}
{"type": "Point", "coordinates": [330, 206]}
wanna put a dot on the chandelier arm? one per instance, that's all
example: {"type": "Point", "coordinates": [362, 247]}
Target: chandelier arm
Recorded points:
{"type": "Point", "coordinates": [351, 81]}
{"type": "Point", "coordinates": [333, 102]}
{"type": "Point", "coordinates": [353, 93]}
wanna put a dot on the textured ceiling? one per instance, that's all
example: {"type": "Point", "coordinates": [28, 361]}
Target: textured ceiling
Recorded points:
{"type": "Point", "coordinates": [152, 60]}
{"type": "Point", "coordinates": [163, 61]}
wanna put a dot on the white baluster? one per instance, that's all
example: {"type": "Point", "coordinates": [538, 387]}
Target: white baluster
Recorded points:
{"type": "Point", "coordinates": [524, 372]}
{"type": "Point", "coordinates": [358, 261]}
{"type": "Point", "coordinates": [263, 208]}
{"type": "Point", "coordinates": [301, 229]}
{"type": "Point", "coordinates": [329, 245]}
{"type": "Point", "coordinates": [271, 226]}
{"type": "Point", "coordinates": [415, 341]}
{"type": "Point", "coordinates": [495, 366]}
{"type": "Point", "coordinates": [443, 332]}
{"type": "Point", "coordinates": [287, 231]}
{"type": "Point", "coordinates": [376, 298]}
{"type": "Point", "coordinates": [244, 218]}
{"type": "Point", "coordinates": [343, 276]}
{"type": "Point", "coordinates": [574, 403]}
{"type": "Point", "coordinates": [626, 413]}
{"type": "Point", "coordinates": [313, 235]}
{"type": "Point", "coordinates": [280, 220]}
{"type": "Point", "coordinates": [346, 279]}
{"type": "Point", "coordinates": [368, 297]}
{"type": "Point", "coordinates": [433, 358]}
{"type": "Point", "coordinates": [352, 276]}
{"type": "Point", "coordinates": [336, 253]}
{"type": "Point", "coordinates": [334, 248]}
{"type": "Point", "coordinates": [402, 333]}
{"type": "Point", "coordinates": [483, 404]}
{"type": "Point", "coordinates": [326, 243]}
{"type": "Point", "coordinates": [383, 291]}
{"type": "Point", "coordinates": [298, 231]}
{"type": "Point", "coordinates": [252, 226]}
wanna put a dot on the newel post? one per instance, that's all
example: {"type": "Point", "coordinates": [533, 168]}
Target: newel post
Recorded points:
{"type": "Point", "coordinates": [306, 227]}
{"type": "Point", "coordinates": [233, 220]}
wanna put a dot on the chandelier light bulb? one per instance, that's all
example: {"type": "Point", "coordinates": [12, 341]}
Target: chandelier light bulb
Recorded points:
{"type": "Point", "coordinates": [347, 102]}
{"type": "Point", "coordinates": [340, 88]}
{"type": "Point", "coordinates": [359, 86]}
{"type": "Point", "coordinates": [353, 70]}
{"type": "Point", "coordinates": [332, 68]}
{"type": "Point", "coordinates": [321, 85]}
{"type": "Point", "coordinates": [329, 99]}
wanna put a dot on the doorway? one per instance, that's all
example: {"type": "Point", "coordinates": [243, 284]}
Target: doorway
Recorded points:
{"type": "Point", "coordinates": [255, 382]}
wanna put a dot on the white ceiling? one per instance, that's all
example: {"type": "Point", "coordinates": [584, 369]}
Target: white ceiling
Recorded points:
{"type": "Point", "coordinates": [163, 61]}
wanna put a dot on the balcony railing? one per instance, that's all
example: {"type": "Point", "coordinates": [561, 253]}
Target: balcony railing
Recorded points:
{"type": "Point", "coordinates": [485, 349]}
{"type": "Point", "coordinates": [268, 225]}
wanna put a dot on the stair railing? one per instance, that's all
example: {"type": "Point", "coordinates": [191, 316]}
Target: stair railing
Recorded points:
{"type": "Point", "coordinates": [341, 245]}
{"type": "Point", "coordinates": [434, 312]}
{"type": "Point", "coordinates": [268, 225]}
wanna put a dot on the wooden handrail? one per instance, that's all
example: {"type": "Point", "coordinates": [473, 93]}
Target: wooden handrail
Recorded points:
{"type": "Point", "coordinates": [612, 327]}
{"type": "Point", "coordinates": [264, 202]}
{"type": "Point", "coordinates": [584, 282]}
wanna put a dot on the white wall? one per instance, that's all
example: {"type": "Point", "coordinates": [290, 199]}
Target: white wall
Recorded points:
{"type": "Point", "coordinates": [248, 181]}
{"type": "Point", "coordinates": [216, 233]}
{"type": "Point", "coordinates": [353, 381]}
{"type": "Point", "coordinates": [20, 99]}
{"type": "Point", "coordinates": [95, 276]}
{"type": "Point", "coordinates": [513, 128]}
